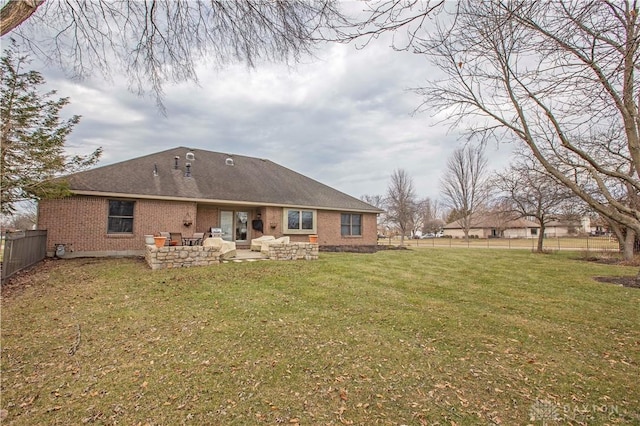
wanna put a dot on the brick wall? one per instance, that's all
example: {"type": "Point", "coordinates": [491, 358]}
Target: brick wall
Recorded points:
{"type": "Point", "coordinates": [208, 217]}
{"type": "Point", "coordinates": [80, 222]}
{"type": "Point", "coordinates": [329, 230]}
{"type": "Point", "coordinates": [272, 220]}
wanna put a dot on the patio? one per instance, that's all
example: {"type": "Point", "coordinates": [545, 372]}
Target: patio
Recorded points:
{"type": "Point", "coordinates": [169, 257]}
{"type": "Point", "coordinates": [246, 255]}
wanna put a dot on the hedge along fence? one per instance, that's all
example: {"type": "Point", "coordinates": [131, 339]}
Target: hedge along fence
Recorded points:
{"type": "Point", "coordinates": [21, 250]}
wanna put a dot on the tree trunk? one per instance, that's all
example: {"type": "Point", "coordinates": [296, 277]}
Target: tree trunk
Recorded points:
{"type": "Point", "coordinates": [617, 231]}
{"type": "Point", "coordinates": [541, 239]}
{"type": "Point", "coordinates": [15, 12]}
{"type": "Point", "coordinates": [629, 244]}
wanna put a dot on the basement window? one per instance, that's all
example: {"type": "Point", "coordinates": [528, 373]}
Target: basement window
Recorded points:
{"type": "Point", "coordinates": [120, 220]}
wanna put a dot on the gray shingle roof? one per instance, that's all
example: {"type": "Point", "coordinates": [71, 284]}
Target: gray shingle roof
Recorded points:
{"type": "Point", "coordinates": [249, 180]}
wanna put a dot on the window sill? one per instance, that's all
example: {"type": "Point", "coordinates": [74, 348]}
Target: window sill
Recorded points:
{"type": "Point", "coordinates": [120, 235]}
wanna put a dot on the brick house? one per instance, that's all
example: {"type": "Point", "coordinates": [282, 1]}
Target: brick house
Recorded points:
{"type": "Point", "coordinates": [494, 225]}
{"type": "Point", "coordinates": [185, 190]}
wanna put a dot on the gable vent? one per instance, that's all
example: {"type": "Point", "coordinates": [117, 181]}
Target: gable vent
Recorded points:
{"type": "Point", "coordinates": [229, 161]}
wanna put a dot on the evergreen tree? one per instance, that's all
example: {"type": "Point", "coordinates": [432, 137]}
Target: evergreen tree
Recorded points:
{"type": "Point", "coordinates": [33, 135]}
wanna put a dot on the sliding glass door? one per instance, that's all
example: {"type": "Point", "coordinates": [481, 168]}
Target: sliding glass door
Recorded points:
{"type": "Point", "coordinates": [234, 225]}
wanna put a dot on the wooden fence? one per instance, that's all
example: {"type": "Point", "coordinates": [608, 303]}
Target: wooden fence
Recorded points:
{"type": "Point", "coordinates": [21, 250]}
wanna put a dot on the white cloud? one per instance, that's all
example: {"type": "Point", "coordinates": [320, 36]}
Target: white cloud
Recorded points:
{"type": "Point", "coordinates": [344, 118]}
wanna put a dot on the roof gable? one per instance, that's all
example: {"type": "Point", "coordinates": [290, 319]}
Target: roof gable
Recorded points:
{"type": "Point", "coordinates": [212, 176]}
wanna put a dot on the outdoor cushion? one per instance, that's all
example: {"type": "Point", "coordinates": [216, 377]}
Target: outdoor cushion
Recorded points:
{"type": "Point", "coordinates": [256, 243]}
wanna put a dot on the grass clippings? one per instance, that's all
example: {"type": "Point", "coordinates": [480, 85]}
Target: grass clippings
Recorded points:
{"type": "Point", "coordinates": [412, 337]}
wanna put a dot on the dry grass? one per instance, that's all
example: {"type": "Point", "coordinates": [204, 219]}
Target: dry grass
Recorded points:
{"type": "Point", "coordinates": [398, 337]}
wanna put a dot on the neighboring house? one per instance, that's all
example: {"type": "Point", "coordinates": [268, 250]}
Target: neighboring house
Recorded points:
{"type": "Point", "coordinates": [186, 191]}
{"type": "Point", "coordinates": [491, 225]}
{"type": "Point", "coordinates": [598, 226]}
{"type": "Point", "coordinates": [567, 227]}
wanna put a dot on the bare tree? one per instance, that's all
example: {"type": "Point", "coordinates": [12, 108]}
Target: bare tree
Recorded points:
{"type": "Point", "coordinates": [374, 200]}
{"type": "Point", "coordinates": [560, 78]}
{"type": "Point", "coordinates": [379, 202]}
{"type": "Point", "coordinates": [407, 20]}
{"type": "Point", "coordinates": [416, 222]}
{"type": "Point", "coordinates": [157, 41]}
{"type": "Point", "coordinates": [464, 184]}
{"type": "Point", "coordinates": [401, 202]}
{"type": "Point", "coordinates": [14, 13]}
{"type": "Point", "coordinates": [529, 191]}
{"type": "Point", "coordinates": [429, 213]}
{"type": "Point", "coordinates": [25, 218]}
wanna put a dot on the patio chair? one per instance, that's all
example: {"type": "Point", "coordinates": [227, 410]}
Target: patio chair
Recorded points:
{"type": "Point", "coordinates": [197, 238]}
{"type": "Point", "coordinates": [176, 238]}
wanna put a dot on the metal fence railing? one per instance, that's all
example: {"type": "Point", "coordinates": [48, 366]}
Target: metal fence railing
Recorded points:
{"type": "Point", "coordinates": [551, 244]}
{"type": "Point", "coordinates": [21, 250]}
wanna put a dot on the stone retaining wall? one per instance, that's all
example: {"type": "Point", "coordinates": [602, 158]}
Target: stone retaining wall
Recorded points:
{"type": "Point", "coordinates": [293, 251]}
{"type": "Point", "coordinates": [351, 249]}
{"type": "Point", "coordinates": [181, 256]}
{"type": "Point", "coordinates": [187, 256]}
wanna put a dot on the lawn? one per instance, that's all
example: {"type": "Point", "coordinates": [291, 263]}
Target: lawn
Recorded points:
{"type": "Point", "coordinates": [455, 337]}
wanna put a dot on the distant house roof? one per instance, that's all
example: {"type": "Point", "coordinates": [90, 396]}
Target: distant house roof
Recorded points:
{"type": "Point", "coordinates": [493, 220]}
{"type": "Point", "coordinates": [212, 177]}
{"type": "Point", "coordinates": [564, 222]}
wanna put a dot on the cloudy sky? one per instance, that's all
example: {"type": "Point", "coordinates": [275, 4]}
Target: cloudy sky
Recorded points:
{"type": "Point", "coordinates": [343, 118]}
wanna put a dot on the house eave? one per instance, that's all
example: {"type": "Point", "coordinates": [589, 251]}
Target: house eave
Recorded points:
{"type": "Point", "coordinates": [216, 201]}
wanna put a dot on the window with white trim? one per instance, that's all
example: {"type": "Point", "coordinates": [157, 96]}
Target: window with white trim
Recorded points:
{"type": "Point", "coordinates": [350, 224]}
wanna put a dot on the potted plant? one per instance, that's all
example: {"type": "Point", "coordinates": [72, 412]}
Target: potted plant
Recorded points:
{"type": "Point", "coordinates": [187, 221]}
{"type": "Point", "coordinates": [159, 240]}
